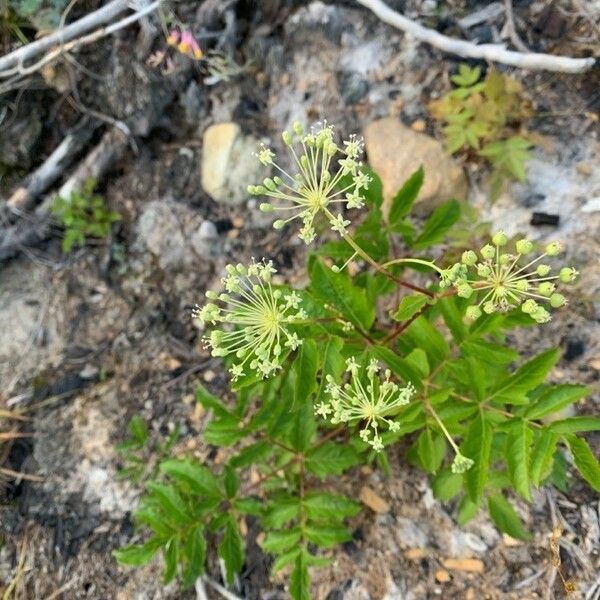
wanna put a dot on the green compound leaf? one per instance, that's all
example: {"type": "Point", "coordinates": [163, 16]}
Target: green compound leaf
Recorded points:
{"type": "Point", "coordinates": [439, 223]}
{"type": "Point", "coordinates": [555, 398]}
{"type": "Point", "coordinates": [585, 461]}
{"type": "Point", "coordinates": [477, 446]}
{"type": "Point", "coordinates": [337, 290]}
{"type": "Point", "coordinates": [505, 517]}
{"type": "Point", "coordinates": [300, 579]}
{"type": "Point", "coordinates": [231, 549]}
{"type": "Point", "coordinates": [331, 459]}
{"type": "Point", "coordinates": [405, 197]}
{"type": "Point", "coordinates": [542, 456]}
{"type": "Point", "coordinates": [518, 446]}
{"type": "Point", "coordinates": [136, 555]}
{"type": "Point", "coordinates": [409, 306]}
{"type": "Point", "coordinates": [513, 388]}
{"type": "Point", "coordinates": [199, 479]}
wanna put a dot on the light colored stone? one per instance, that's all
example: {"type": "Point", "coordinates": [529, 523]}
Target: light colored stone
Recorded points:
{"type": "Point", "coordinates": [470, 565]}
{"type": "Point", "coordinates": [395, 152]}
{"type": "Point", "coordinates": [228, 165]}
{"type": "Point", "coordinates": [374, 501]}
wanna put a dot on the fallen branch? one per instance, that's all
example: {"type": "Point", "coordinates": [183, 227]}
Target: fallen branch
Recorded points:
{"type": "Point", "coordinates": [52, 168]}
{"type": "Point", "coordinates": [20, 70]}
{"type": "Point", "coordinates": [103, 15]}
{"type": "Point", "coordinates": [491, 52]}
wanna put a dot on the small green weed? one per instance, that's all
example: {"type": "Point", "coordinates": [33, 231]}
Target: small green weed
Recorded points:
{"type": "Point", "coordinates": [485, 117]}
{"type": "Point", "coordinates": [83, 215]}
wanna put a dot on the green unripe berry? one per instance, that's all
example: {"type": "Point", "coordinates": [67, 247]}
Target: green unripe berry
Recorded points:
{"type": "Point", "coordinates": [464, 290]}
{"type": "Point", "coordinates": [484, 271]}
{"type": "Point", "coordinates": [335, 268]}
{"type": "Point", "coordinates": [278, 181]}
{"type": "Point", "coordinates": [251, 189]}
{"type": "Point", "coordinates": [568, 275]}
{"type": "Point", "coordinates": [241, 269]}
{"type": "Point", "coordinates": [279, 224]}
{"type": "Point", "coordinates": [211, 295]}
{"type": "Point", "coordinates": [546, 288]}
{"type": "Point", "coordinates": [557, 300]}
{"type": "Point", "coordinates": [541, 315]}
{"type": "Point", "coordinates": [553, 249]}
{"type": "Point", "coordinates": [469, 258]}
{"type": "Point", "coordinates": [529, 306]}
{"type": "Point", "coordinates": [522, 285]}
{"type": "Point", "coordinates": [524, 246]}
{"type": "Point", "coordinates": [500, 238]}
{"type": "Point", "coordinates": [488, 252]}
{"type": "Point", "coordinates": [287, 138]}
{"type": "Point", "coordinates": [504, 259]}
{"type": "Point", "coordinates": [489, 307]}
{"type": "Point", "coordinates": [543, 270]}
{"type": "Point", "coordinates": [473, 313]}
{"type": "Point", "coordinates": [266, 207]}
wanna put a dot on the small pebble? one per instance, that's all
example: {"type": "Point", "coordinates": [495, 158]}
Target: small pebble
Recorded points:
{"type": "Point", "coordinates": [374, 501]}
{"type": "Point", "coordinates": [442, 576]}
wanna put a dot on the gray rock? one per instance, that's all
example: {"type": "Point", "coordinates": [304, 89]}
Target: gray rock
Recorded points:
{"type": "Point", "coordinates": [353, 88]}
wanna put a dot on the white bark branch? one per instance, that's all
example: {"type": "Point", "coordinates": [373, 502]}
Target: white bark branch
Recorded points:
{"type": "Point", "coordinates": [80, 27]}
{"type": "Point", "coordinates": [491, 52]}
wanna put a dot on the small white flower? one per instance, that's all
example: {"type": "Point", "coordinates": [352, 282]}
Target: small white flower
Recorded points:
{"type": "Point", "coordinates": [255, 317]}
{"type": "Point", "coordinates": [367, 399]}
{"type": "Point", "coordinates": [317, 184]}
{"type": "Point", "coordinates": [339, 224]}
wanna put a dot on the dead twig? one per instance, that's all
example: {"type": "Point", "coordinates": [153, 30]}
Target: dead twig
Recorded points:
{"type": "Point", "coordinates": [512, 29]}
{"type": "Point", "coordinates": [492, 52]}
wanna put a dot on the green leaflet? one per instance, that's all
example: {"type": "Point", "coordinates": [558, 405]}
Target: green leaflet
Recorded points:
{"type": "Point", "coordinates": [300, 579]}
{"type": "Point", "coordinates": [555, 398]}
{"type": "Point", "coordinates": [518, 445]}
{"type": "Point", "coordinates": [409, 306]}
{"type": "Point", "coordinates": [505, 517]}
{"type": "Point", "coordinates": [575, 425]}
{"type": "Point", "coordinates": [331, 459]}
{"type": "Point", "coordinates": [542, 456]}
{"type": "Point", "coordinates": [138, 554]}
{"type": "Point", "coordinates": [477, 446]}
{"type": "Point", "coordinates": [338, 290]}
{"type": "Point", "coordinates": [305, 367]}
{"type": "Point", "coordinates": [585, 461]}
{"type": "Point", "coordinates": [405, 198]}
{"type": "Point", "coordinates": [231, 549]}
{"type": "Point", "coordinates": [438, 224]}
{"type": "Point", "coordinates": [513, 388]}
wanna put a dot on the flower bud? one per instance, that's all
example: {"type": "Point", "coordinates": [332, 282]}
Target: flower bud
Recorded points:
{"type": "Point", "coordinates": [500, 239]}
{"type": "Point", "coordinates": [529, 306]}
{"type": "Point", "coordinates": [304, 162]}
{"type": "Point", "coordinates": [279, 224]}
{"type": "Point", "coordinates": [266, 207]}
{"type": "Point", "coordinates": [269, 184]}
{"type": "Point", "coordinates": [541, 315]}
{"type": "Point", "coordinates": [335, 268]}
{"type": "Point", "coordinates": [484, 271]}
{"type": "Point", "coordinates": [557, 300]}
{"type": "Point", "coordinates": [546, 288]}
{"type": "Point", "coordinates": [504, 259]}
{"type": "Point", "coordinates": [524, 246]}
{"type": "Point", "coordinates": [241, 269]}
{"type": "Point", "coordinates": [489, 307]}
{"type": "Point", "coordinates": [543, 270]}
{"type": "Point", "coordinates": [251, 189]}
{"type": "Point", "coordinates": [522, 285]}
{"type": "Point", "coordinates": [298, 128]}
{"type": "Point", "coordinates": [211, 295]}
{"type": "Point", "coordinates": [469, 258]}
{"type": "Point", "coordinates": [473, 313]}
{"type": "Point", "coordinates": [488, 252]}
{"type": "Point", "coordinates": [278, 181]}
{"type": "Point", "coordinates": [464, 290]}
{"type": "Point", "coordinates": [553, 248]}
{"type": "Point", "coordinates": [568, 275]}
{"type": "Point", "coordinates": [287, 138]}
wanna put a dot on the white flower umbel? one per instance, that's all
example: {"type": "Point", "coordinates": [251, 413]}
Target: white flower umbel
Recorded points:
{"type": "Point", "coordinates": [256, 319]}
{"type": "Point", "coordinates": [317, 185]}
{"type": "Point", "coordinates": [506, 282]}
{"type": "Point", "coordinates": [367, 398]}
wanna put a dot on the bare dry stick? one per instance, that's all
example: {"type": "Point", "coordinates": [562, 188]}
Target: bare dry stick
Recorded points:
{"type": "Point", "coordinates": [491, 52]}
{"type": "Point", "coordinates": [17, 58]}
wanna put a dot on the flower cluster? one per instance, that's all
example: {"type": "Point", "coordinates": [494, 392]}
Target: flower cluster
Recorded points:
{"type": "Point", "coordinates": [370, 401]}
{"type": "Point", "coordinates": [259, 318]}
{"type": "Point", "coordinates": [318, 183]}
{"type": "Point", "coordinates": [185, 42]}
{"type": "Point", "coordinates": [508, 284]}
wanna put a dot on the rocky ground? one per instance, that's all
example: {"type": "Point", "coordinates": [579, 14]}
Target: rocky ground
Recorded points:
{"type": "Point", "coordinates": [91, 339]}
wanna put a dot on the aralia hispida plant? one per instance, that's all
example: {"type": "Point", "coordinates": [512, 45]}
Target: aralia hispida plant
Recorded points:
{"type": "Point", "coordinates": [323, 385]}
